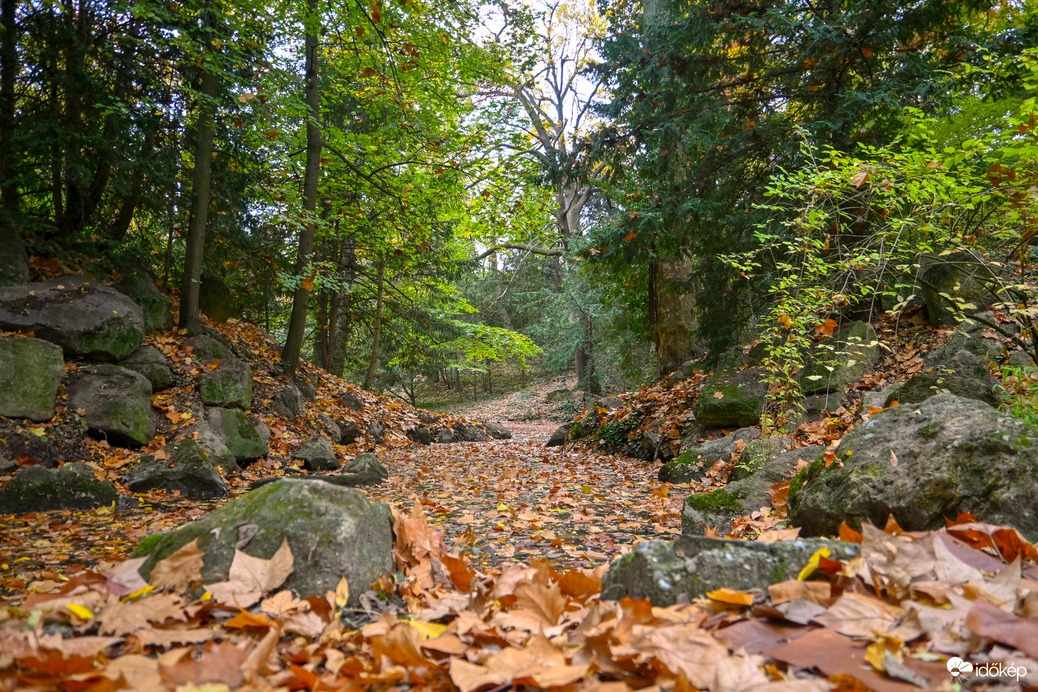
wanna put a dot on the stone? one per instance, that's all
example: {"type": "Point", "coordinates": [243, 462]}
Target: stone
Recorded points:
{"type": "Point", "coordinates": [39, 489]}
{"type": "Point", "coordinates": [447, 436]}
{"type": "Point", "coordinates": [958, 372]}
{"type": "Point", "coordinates": [969, 283]}
{"type": "Point", "coordinates": [333, 533]}
{"type": "Point", "coordinates": [717, 509]}
{"type": "Point", "coordinates": [557, 395]}
{"type": "Point", "coordinates": [331, 427]}
{"type": "Point", "coordinates": [228, 386]}
{"type": "Point", "coordinates": [428, 417]}
{"type": "Point", "coordinates": [206, 348]}
{"type": "Point", "coordinates": [840, 361]}
{"type": "Point", "coordinates": [422, 435]}
{"type": "Point", "coordinates": [922, 463]}
{"type": "Point", "coordinates": [215, 298]}
{"type": "Point", "coordinates": [375, 431]}
{"type": "Point", "coordinates": [155, 306]}
{"type": "Point", "coordinates": [498, 431]}
{"type": "Point", "coordinates": [349, 431]}
{"type": "Point", "coordinates": [237, 433]}
{"type": "Point", "coordinates": [14, 262]}
{"type": "Point", "coordinates": [83, 316]}
{"type": "Point", "coordinates": [691, 566]}
{"type": "Point", "coordinates": [364, 469]}
{"type": "Point", "coordinates": [693, 463]}
{"type": "Point", "coordinates": [732, 398]}
{"type": "Point", "coordinates": [31, 371]}
{"type": "Point", "coordinates": [187, 469]}
{"type": "Point", "coordinates": [684, 371]}
{"type": "Point", "coordinates": [7, 465]}
{"type": "Point", "coordinates": [262, 429]}
{"type": "Point", "coordinates": [117, 402]}
{"type": "Point", "coordinates": [213, 447]}
{"type": "Point", "coordinates": [467, 432]}
{"type": "Point", "coordinates": [560, 436]}
{"type": "Point", "coordinates": [351, 402]}
{"type": "Point", "coordinates": [757, 454]}
{"type": "Point", "coordinates": [287, 401]}
{"type": "Point", "coordinates": [317, 454]}
{"type": "Point", "coordinates": [307, 390]}
{"type": "Point", "coordinates": [609, 403]}
{"type": "Point", "coordinates": [152, 363]}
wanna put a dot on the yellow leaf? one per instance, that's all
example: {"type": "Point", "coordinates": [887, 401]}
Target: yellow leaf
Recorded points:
{"type": "Point", "coordinates": [445, 38]}
{"type": "Point", "coordinates": [428, 630]}
{"type": "Point", "coordinates": [812, 564]}
{"type": "Point", "coordinates": [139, 593]}
{"type": "Point", "coordinates": [38, 432]}
{"type": "Point", "coordinates": [718, 395]}
{"type": "Point", "coordinates": [81, 612]}
{"type": "Point", "coordinates": [730, 596]}
{"type": "Point", "coordinates": [342, 593]}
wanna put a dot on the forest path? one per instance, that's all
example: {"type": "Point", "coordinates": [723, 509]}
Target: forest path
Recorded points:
{"type": "Point", "coordinates": [513, 500]}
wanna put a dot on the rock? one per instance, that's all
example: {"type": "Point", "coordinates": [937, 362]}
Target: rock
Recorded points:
{"type": "Point", "coordinates": [187, 469]}
{"type": "Point", "coordinates": [560, 436]}
{"type": "Point", "coordinates": [349, 431]}
{"type": "Point", "coordinates": [923, 463]}
{"type": "Point", "coordinates": [498, 431]}
{"type": "Point", "coordinates": [228, 386]}
{"type": "Point", "coordinates": [287, 401]}
{"type": "Point", "coordinates": [215, 298]}
{"type": "Point", "coordinates": [842, 360]}
{"type": "Point", "coordinates": [237, 433]}
{"type": "Point", "coordinates": [958, 372]}
{"type": "Point", "coordinates": [351, 402]}
{"type": "Point", "coordinates": [213, 447]}
{"type": "Point", "coordinates": [684, 371]}
{"type": "Point", "coordinates": [206, 348]}
{"type": "Point", "coordinates": [364, 469]}
{"type": "Point", "coordinates": [467, 432]}
{"type": "Point", "coordinates": [557, 395]}
{"type": "Point", "coordinates": [333, 532]}
{"type": "Point", "coordinates": [375, 431]}
{"type": "Point", "coordinates": [31, 371]}
{"type": "Point", "coordinates": [150, 362]}
{"type": "Point", "coordinates": [331, 427]}
{"type": "Point", "coordinates": [117, 402]}
{"type": "Point", "coordinates": [732, 397]}
{"type": "Point", "coordinates": [427, 417]}
{"type": "Point", "coordinates": [738, 498]}
{"type": "Point", "coordinates": [39, 489]}
{"type": "Point", "coordinates": [609, 403]}
{"type": "Point", "coordinates": [693, 463]}
{"type": "Point", "coordinates": [14, 263]}
{"type": "Point", "coordinates": [692, 565]}
{"type": "Point", "coordinates": [969, 283]}
{"type": "Point", "coordinates": [262, 429]}
{"type": "Point", "coordinates": [317, 454]}
{"type": "Point", "coordinates": [447, 436]}
{"type": "Point", "coordinates": [154, 305]}
{"type": "Point", "coordinates": [79, 314]}
{"type": "Point", "coordinates": [1020, 359]}
{"type": "Point", "coordinates": [6, 464]}
{"type": "Point", "coordinates": [422, 435]}
{"type": "Point", "coordinates": [306, 390]}
{"type": "Point", "coordinates": [756, 455]}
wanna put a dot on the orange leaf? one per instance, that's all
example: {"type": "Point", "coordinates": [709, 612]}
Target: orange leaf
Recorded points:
{"type": "Point", "coordinates": [866, 53]}
{"type": "Point", "coordinates": [718, 395]}
{"type": "Point", "coordinates": [308, 284]}
{"type": "Point", "coordinates": [630, 236]}
{"type": "Point", "coordinates": [730, 596]}
{"type": "Point", "coordinates": [849, 535]}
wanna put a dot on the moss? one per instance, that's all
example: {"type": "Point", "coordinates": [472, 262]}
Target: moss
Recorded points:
{"type": "Point", "coordinates": [717, 501]}
{"type": "Point", "coordinates": [779, 573]}
{"type": "Point", "coordinates": [930, 430]}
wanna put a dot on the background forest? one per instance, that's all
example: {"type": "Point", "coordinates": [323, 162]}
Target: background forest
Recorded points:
{"type": "Point", "coordinates": [430, 196]}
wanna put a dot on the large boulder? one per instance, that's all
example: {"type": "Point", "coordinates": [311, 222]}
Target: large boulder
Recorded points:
{"type": "Point", "coordinates": [150, 362]}
{"type": "Point", "coordinates": [692, 565]}
{"type": "Point", "coordinates": [287, 401]}
{"type": "Point", "coordinates": [117, 402]}
{"type": "Point", "coordinates": [186, 469]}
{"type": "Point", "coordinates": [744, 496]}
{"type": "Point", "coordinates": [31, 371]}
{"type": "Point", "coordinates": [154, 305]}
{"type": "Point", "coordinates": [317, 454]}
{"type": "Point", "coordinates": [39, 489]}
{"type": "Point", "coordinates": [206, 348]}
{"type": "Point", "coordinates": [922, 463]}
{"type": "Point", "coordinates": [213, 447]}
{"type": "Point", "coordinates": [79, 314]}
{"type": "Point", "coordinates": [757, 455]}
{"type": "Point", "coordinates": [694, 462]}
{"type": "Point", "coordinates": [498, 431]}
{"type": "Point", "coordinates": [364, 469]}
{"type": "Point", "coordinates": [732, 397]}
{"type": "Point", "coordinates": [559, 437]}
{"type": "Point", "coordinates": [349, 431]}
{"type": "Point", "coordinates": [237, 433]}
{"type": "Point", "coordinates": [228, 386]}
{"type": "Point", "coordinates": [956, 286]}
{"type": "Point", "coordinates": [842, 360]}
{"type": "Point", "coordinates": [333, 532]}
{"type": "Point", "coordinates": [954, 369]}
{"type": "Point", "coordinates": [351, 402]}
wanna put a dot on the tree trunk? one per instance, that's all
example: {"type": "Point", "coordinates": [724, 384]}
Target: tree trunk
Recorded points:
{"type": "Point", "coordinates": [675, 319]}
{"type": "Point", "coordinates": [8, 103]}
{"type": "Point", "coordinates": [301, 299]}
{"type": "Point", "coordinates": [201, 179]}
{"type": "Point", "coordinates": [376, 330]}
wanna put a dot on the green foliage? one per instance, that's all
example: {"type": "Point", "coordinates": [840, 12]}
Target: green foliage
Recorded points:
{"type": "Point", "coordinates": [1020, 387]}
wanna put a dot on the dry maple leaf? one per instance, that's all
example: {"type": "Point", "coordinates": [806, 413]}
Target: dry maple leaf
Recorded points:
{"type": "Point", "coordinates": [180, 570]}
{"type": "Point", "coordinates": [252, 577]}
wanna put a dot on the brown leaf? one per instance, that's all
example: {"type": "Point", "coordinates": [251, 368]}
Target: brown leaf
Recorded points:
{"type": "Point", "coordinates": [180, 570]}
{"type": "Point", "coordinates": [986, 620]}
{"type": "Point", "coordinates": [252, 577]}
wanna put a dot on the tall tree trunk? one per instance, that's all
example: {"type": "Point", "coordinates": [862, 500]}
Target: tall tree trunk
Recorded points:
{"type": "Point", "coordinates": [675, 318]}
{"type": "Point", "coordinates": [301, 299]}
{"type": "Point", "coordinates": [13, 261]}
{"type": "Point", "coordinates": [376, 330]}
{"type": "Point", "coordinates": [201, 179]}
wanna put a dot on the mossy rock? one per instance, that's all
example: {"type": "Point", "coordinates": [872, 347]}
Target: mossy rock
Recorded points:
{"type": "Point", "coordinates": [229, 385]}
{"type": "Point", "coordinates": [959, 372]}
{"type": "Point", "coordinates": [150, 362]}
{"type": "Point", "coordinates": [187, 470]}
{"type": "Point", "coordinates": [840, 361]}
{"type": "Point", "coordinates": [31, 371]}
{"type": "Point", "coordinates": [117, 402]}
{"type": "Point", "coordinates": [234, 429]}
{"type": "Point", "coordinates": [732, 398]}
{"type": "Point", "coordinates": [39, 489]}
{"type": "Point", "coordinates": [155, 306]}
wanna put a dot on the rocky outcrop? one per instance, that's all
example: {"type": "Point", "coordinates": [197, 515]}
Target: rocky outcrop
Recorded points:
{"type": "Point", "coordinates": [953, 369]}
{"type": "Point", "coordinates": [117, 402]}
{"type": "Point", "coordinates": [39, 489]}
{"type": "Point", "coordinates": [187, 470]}
{"type": "Point", "coordinates": [692, 565]}
{"type": "Point", "coordinates": [150, 362]}
{"type": "Point", "coordinates": [922, 463]}
{"type": "Point", "coordinates": [228, 386]}
{"type": "Point", "coordinates": [968, 287]}
{"type": "Point", "coordinates": [31, 371]}
{"type": "Point", "coordinates": [317, 454]}
{"type": "Point", "coordinates": [237, 433]}
{"type": "Point", "coordinates": [79, 314]}
{"type": "Point", "coordinates": [333, 532]}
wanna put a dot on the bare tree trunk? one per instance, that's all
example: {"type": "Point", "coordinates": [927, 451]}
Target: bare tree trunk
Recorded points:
{"type": "Point", "coordinates": [297, 325]}
{"type": "Point", "coordinates": [201, 179]}
{"type": "Point", "coordinates": [376, 331]}
{"type": "Point", "coordinates": [675, 323]}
